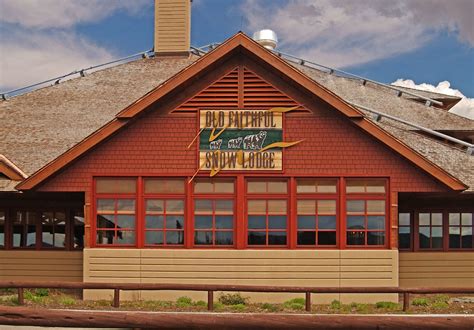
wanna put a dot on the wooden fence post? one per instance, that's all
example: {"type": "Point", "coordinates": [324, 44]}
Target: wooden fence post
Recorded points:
{"type": "Point", "coordinates": [406, 301]}
{"type": "Point", "coordinates": [210, 300]}
{"type": "Point", "coordinates": [308, 301]}
{"type": "Point", "coordinates": [21, 297]}
{"type": "Point", "coordinates": [116, 298]}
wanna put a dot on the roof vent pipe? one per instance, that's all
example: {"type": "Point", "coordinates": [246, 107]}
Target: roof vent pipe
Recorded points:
{"type": "Point", "coordinates": [266, 38]}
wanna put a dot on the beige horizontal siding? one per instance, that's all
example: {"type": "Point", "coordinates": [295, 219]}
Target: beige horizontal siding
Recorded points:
{"type": "Point", "coordinates": [436, 269]}
{"type": "Point", "coordinates": [248, 267]}
{"type": "Point", "coordinates": [41, 265]}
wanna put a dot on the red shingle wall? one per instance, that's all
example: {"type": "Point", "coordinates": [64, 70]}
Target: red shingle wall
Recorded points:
{"type": "Point", "coordinates": [157, 145]}
{"type": "Point", "coordinates": [154, 145]}
{"type": "Point", "coordinates": [334, 146]}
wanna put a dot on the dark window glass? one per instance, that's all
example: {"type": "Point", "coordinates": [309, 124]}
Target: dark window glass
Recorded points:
{"type": "Point", "coordinates": [375, 238]}
{"type": "Point", "coordinates": [430, 230]}
{"type": "Point", "coordinates": [460, 230]}
{"type": "Point", "coordinates": [327, 238]}
{"type": "Point", "coordinates": [276, 238]}
{"type": "Point", "coordinates": [257, 238]}
{"type": "Point", "coordinates": [355, 238]}
{"type": "Point", "coordinates": [2, 229]}
{"type": "Point", "coordinates": [203, 237]}
{"type": "Point", "coordinates": [214, 219]}
{"type": "Point", "coordinates": [365, 218]}
{"type": "Point", "coordinates": [269, 216]}
{"type": "Point", "coordinates": [404, 230]}
{"type": "Point", "coordinates": [24, 229]}
{"type": "Point", "coordinates": [78, 229]}
{"type": "Point", "coordinates": [404, 237]}
{"type": "Point", "coordinates": [316, 220]}
{"type": "Point", "coordinates": [53, 229]}
{"type": "Point", "coordinates": [164, 221]}
{"type": "Point", "coordinates": [306, 238]}
{"type": "Point", "coordinates": [116, 221]}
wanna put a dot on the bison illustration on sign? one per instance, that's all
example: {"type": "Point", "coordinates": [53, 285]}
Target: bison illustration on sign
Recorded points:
{"type": "Point", "coordinates": [255, 141]}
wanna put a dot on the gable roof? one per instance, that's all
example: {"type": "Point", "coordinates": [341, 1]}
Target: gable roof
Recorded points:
{"type": "Point", "coordinates": [86, 110]}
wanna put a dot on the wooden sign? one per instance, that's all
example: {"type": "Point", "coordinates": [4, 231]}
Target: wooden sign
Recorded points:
{"type": "Point", "coordinates": [241, 140]}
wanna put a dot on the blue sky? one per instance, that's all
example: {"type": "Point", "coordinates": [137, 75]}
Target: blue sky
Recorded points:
{"type": "Point", "coordinates": [425, 41]}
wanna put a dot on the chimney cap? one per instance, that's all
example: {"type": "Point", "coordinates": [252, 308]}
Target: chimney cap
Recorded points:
{"type": "Point", "coordinates": [267, 38]}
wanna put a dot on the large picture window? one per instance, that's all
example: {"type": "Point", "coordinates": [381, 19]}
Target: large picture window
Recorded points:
{"type": "Point", "coordinates": [116, 211]}
{"type": "Point", "coordinates": [267, 218]}
{"type": "Point", "coordinates": [316, 212]}
{"type": "Point", "coordinates": [460, 230]}
{"type": "Point", "coordinates": [229, 212]}
{"type": "Point", "coordinates": [214, 210]}
{"type": "Point", "coordinates": [164, 212]}
{"type": "Point", "coordinates": [366, 210]}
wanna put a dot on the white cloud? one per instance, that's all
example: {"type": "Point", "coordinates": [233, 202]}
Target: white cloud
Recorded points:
{"type": "Point", "coordinates": [38, 40]}
{"type": "Point", "coordinates": [464, 108]}
{"type": "Point", "coordinates": [29, 57]}
{"type": "Point", "coordinates": [63, 13]}
{"type": "Point", "coordinates": [347, 32]}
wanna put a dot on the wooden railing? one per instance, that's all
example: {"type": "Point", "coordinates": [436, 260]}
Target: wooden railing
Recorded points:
{"type": "Point", "coordinates": [211, 288]}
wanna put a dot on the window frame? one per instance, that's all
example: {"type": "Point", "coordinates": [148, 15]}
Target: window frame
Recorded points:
{"type": "Point", "coordinates": [267, 196]}
{"type": "Point", "coordinates": [211, 196]}
{"type": "Point", "coordinates": [116, 196]}
{"type": "Point", "coordinates": [365, 196]}
{"type": "Point", "coordinates": [415, 247]}
{"type": "Point", "coordinates": [316, 196]}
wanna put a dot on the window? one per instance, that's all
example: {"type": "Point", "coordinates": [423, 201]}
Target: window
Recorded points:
{"type": "Point", "coordinates": [213, 222]}
{"type": "Point", "coordinates": [316, 212]}
{"type": "Point", "coordinates": [115, 221]}
{"type": "Point", "coordinates": [404, 230]}
{"type": "Point", "coordinates": [164, 212]}
{"type": "Point", "coordinates": [116, 211]}
{"type": "Point", "coordinates": [365, 212]}
{"type": "Point", "coordinates": [78, 229]}
{"type": "Point", "coordinates": [53, 229]}
{"type": "Point", "coordinates": [316, 222]}
{"type": "Point", "coordinates": [214, 207]}
{"type": "Point", "coordinates": [460, 230]}
{"type": "Point", "coordinates": [24, 229]}
{"type": "Point", "coordinates": [164, 222]}
{"type": "Point", "coordinates": [436, 230]}
{"type": "Point", "coordinates": [430, 230]}
{"type": "Point", "coordinates": [316, 186]}
{"type": "Point", "coordinates": [267, 218]}
{"type": "Point", "coordinates": [2, 229]}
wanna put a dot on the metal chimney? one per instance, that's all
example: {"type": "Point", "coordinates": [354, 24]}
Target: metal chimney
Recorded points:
{"type": "Point", "coordinates": [266, 38]}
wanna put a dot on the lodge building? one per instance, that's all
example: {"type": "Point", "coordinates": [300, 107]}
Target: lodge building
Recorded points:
{"type": "Point", "coordinates": [234, 166]}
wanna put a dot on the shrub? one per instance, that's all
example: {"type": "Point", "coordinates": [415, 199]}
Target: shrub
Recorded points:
{"type": "Point", "coordinates": [184, 302]}
{"type": "Point", "coordinates": [239, 307]}
{"type": "Point", "coordinates": [200, 303]}
{"type": "Point", "coordinates": [386, 305]}
{"type": "Point", "coordinates": [419, 302]}
{"type": "Point", "coordinates": [439, 304]}
{"type": "Point", "coordinates": [232, 299]}
{"type": "Point", "coordinates": [336, 304]}
{"type": "Point", "coordinates": [269, 307]}
{"type": "Point", "coordinates": [67, 301]}
{"type": "Point", "coordinates": [362, 308]}
{"type": "Point", "coordinates": [42, 292]}
{"type": "Point", "coordinates": [296, 304]}
{"type": "Point", "coordinates": [441, 298]}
